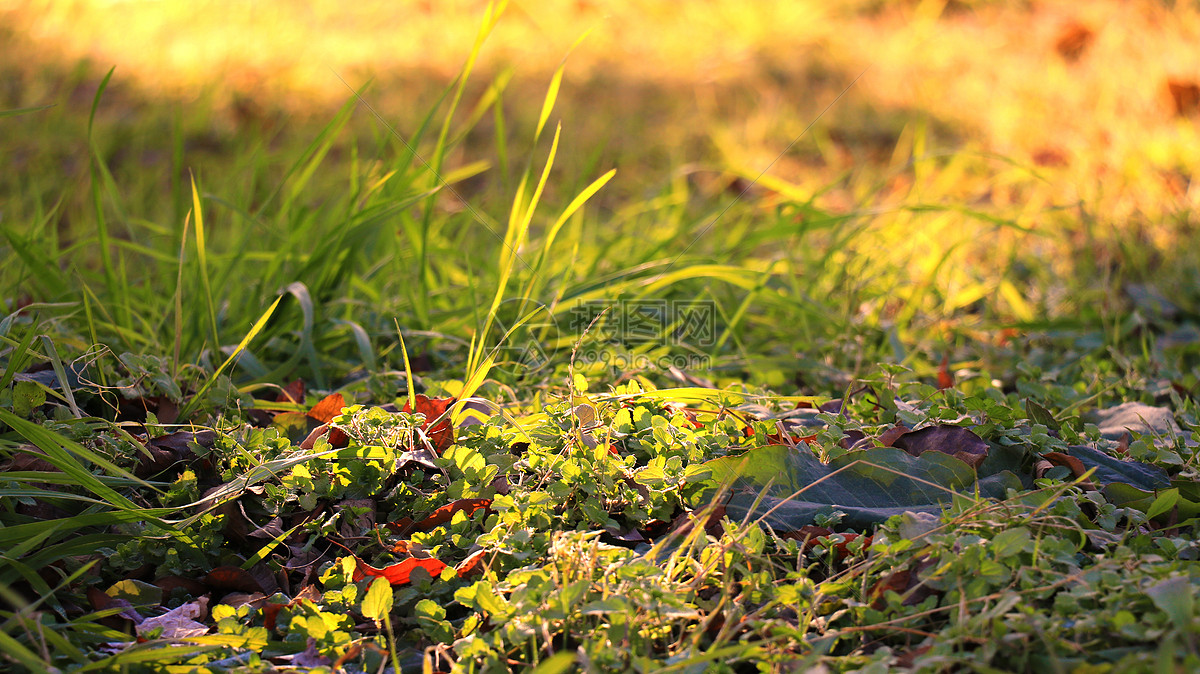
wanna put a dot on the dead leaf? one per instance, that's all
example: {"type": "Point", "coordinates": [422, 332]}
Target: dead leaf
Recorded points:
{"type": "Point", "coordinates": [167, 450]}
{"type": "Point", "coordinates": [811, 534]}
{"type": "Point", "coordinates": [441, 435]}
{"type": "Point", "coordinates": [472, 565]}
{"type": "Point", "coordinates": [101, 601]}
{"type": "Point", "coordinates": [959, 442]}
{"type": "Point", "coordinates": [189, 585]}
{"type": "Point", "coordinates": [1073, 40]}
{"type": "Point", "coordinates": [329, 407]}
{"type": "Point", "coordinates": [179, 623]}
{"type": "Point", "coordinates": [1072, 463]}
{"type": "Point", "coordinates": [232, 578]}
{"type": "Point", "coordinates": [1185, 96]}
{"type": "Point", "coordinates": [944, 376]}
{"type": "Point", "coordinates": [292, 393]}
{"type": "Point", "coordinates": [363, 523]}
{"type": "Point", "coordinates": [398, 573]}
{"type": "Point", "coordinates": [445, 513]}
{"type": "Point", "coordinates": [891, 435]}
{"type": "Point", "coordinates": [1049, 157]}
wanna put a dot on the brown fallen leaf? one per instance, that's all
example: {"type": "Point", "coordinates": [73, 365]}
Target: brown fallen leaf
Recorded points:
{"type": "Point", "coordinates": [1072, 463]}
{"type": "Point", "coordinates": [1073, 40]}
{"type": "Point", "coordinates": [232, 578]}
{"type": "Point", "coordinates": [959, 442]}
{"type": "Point", "coordinates": [1185, 95]}
{"type": "Point", "coordinates": [292, 393]}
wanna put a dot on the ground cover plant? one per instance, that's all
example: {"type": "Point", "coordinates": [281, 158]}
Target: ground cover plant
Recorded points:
{"type": "Point", "coordinates": [442, 393]}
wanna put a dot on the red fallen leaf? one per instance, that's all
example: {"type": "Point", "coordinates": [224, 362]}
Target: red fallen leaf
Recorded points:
{"type": "Point", "coordinates": [945, 378]}
{"type": "Point", "coordinates": [472, 565]}
{"type": "Point", "coordinates": [896, 581]}
{"type": "Point", "coordinates": [441, 436]}
{"type": "Point", "coordinates": [232, 578]}
{"type": "Point", "coordinates": [329, 407]}
{"type": "Point", "coordinates": [956, 441]}
{"type": "Point", "coordinates": [271, 611]}
{"type": "Point", "coordinates": [401, 526]}
{"type": "Point", "coordinates": [907, 659]}
{"type": "Point", "coordinates": [811, 534]}
{"type": "Point", "coordinates": [271, 614]}
{"type": "Point", "coordinates": [315, 422]}
{"type": "Point", "coordinates": [351, 653]}
{"type": "Point", "coordinates": [777, 438]}
{"type": "Point", "coordinates": [398, 573]}
{"type": "Point", "coordinates": [445, 513]}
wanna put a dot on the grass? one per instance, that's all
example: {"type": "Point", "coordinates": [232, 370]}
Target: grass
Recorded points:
{"type": "Point", "coordinates": [207, 279]}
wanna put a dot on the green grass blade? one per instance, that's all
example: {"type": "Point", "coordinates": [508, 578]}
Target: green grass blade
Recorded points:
{"type": "Point", "coordinates": [202, 260]}
{"type": "Point", "coordinates": [254, 330]}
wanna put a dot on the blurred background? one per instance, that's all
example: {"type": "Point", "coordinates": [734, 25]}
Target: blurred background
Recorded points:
{"type": "Point", "coordinates": [1033, 154]}
{"type": "Point", "coordinates": [1106, 89]}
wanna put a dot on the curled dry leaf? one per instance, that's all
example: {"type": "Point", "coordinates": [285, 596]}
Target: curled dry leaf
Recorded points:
{"type": "Point", "coordinates": [329, 407]}
{"type": "Point", "coordinates": [1070, 462]}
{"type": "Point", "coordinates": [179, 623]}
{"type": "Point", "coordinates": [472, 565]}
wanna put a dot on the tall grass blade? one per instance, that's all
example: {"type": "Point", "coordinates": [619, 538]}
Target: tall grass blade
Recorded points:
{"type": "Point", "coordinates": [254, 330]}
{"type": "Point", "coordinates": [202, 260]}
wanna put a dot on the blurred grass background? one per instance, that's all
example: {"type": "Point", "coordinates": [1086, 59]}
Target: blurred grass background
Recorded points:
{"type": "Point", "coordinates": [1034, 157]}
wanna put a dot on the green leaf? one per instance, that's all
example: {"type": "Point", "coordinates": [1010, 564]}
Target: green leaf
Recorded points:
{"type": "Point", "coordinates": [1010, 542]}
{"type": "Point", "coordinates": [378, 601]}
{"type": "Point", "coordinates": [26, 397]}
{"type": "Point", "coordinates": [789, 487]}
{"type": "Point", "coordinates": [1040, 415]}
{"type": "Point", "coordinates": [557, 663]}
{"type": "Point", "coordinates": [1163, 503]}
{"type": "Point", "coordinates": [1174, 596]}
{"type": "Point", "coordinates": [23, 111]}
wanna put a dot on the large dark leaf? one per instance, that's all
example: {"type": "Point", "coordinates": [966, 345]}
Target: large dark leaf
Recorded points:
{"type": "Point", "coordinates": [1110, 470]}
{"type": "Point", "coordinates": [868, 486]}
